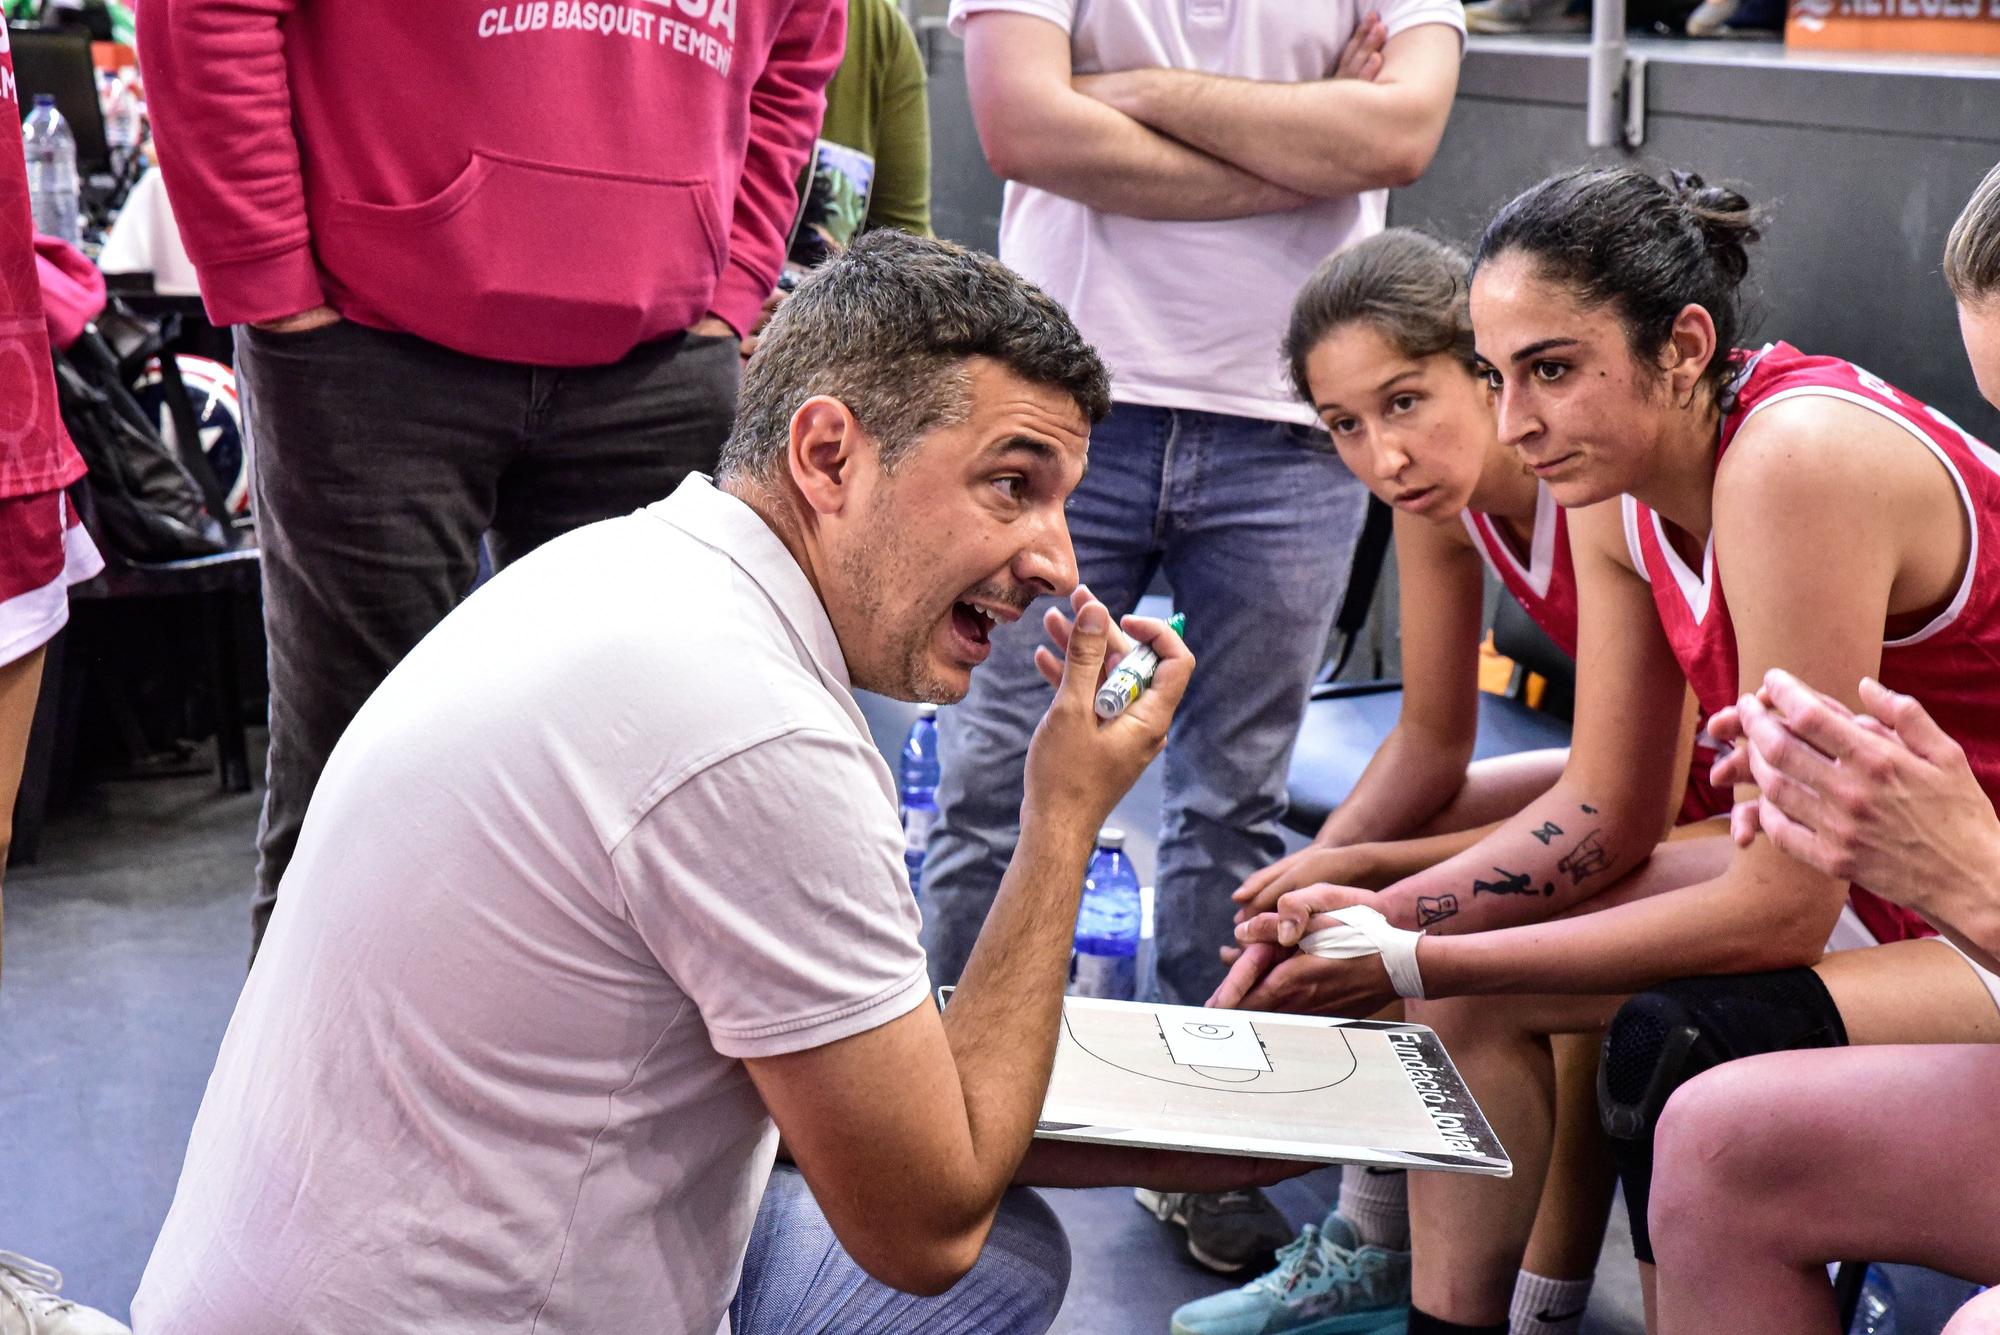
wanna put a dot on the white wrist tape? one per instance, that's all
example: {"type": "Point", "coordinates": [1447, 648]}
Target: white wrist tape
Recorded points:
{"type": "Point", "coordinates": [1363, 931]}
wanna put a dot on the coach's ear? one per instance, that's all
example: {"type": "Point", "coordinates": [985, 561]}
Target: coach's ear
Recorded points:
{"type": "Point", "coordinates": [826, 447]}
{"type": "Point", "coordinates": [1689, 349]}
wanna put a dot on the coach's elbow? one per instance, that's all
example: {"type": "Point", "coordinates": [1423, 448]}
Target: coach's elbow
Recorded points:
{"type": "Point", "coordinates": [924, 1267]}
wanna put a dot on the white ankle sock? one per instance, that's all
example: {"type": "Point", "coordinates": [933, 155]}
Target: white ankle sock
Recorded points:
{"type": "Point", "coordinates": [1377, 1203]}
{"type": "Point", "coordinates": [1544, 1306]}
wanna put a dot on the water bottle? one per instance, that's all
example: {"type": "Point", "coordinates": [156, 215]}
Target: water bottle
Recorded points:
{"type": "Point", "coordinates": [118, 94]}
{"type": "Point", "coordinates": [52, 179]}
{"type": "Point", "coordinates": [1106, 960]}
{"type": "Point", "coordinates": [1149, 957]}
{"type": "Point", "coordinates": [919, 781]}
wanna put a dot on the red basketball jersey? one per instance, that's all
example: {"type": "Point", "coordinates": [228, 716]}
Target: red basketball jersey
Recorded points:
{"type": "Point", "coordinates": [1545, 587]}
{"type": "Point", "coordinates": [35, 453]}
{"type": "Point", "coordinates": [1951, 665]}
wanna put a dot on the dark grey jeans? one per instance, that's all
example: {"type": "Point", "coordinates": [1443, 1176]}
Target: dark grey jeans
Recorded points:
{"type": "Point", "coordinates": [380, 461]}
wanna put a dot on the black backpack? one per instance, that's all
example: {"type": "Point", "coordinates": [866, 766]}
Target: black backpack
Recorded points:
{"type": "Point", "coordinates": [151, 503]}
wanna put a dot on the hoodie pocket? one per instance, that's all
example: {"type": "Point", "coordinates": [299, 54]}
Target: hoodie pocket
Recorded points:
{"type": "Point", "coordinates": [526, 262]}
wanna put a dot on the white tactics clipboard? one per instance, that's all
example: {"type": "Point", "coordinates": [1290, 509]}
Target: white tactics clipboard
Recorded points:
{"type": "Point", "coordinates": [1266, 1085]}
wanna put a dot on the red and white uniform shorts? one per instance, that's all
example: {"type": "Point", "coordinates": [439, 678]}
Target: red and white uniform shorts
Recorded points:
{"type": "Point", "coordinates": [43, 550]}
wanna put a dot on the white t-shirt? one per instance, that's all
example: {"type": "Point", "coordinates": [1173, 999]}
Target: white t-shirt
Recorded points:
{"type": "Point", "coordinates": [611, 827]}
{"type": "Point", "coordinates": [1191, 314]}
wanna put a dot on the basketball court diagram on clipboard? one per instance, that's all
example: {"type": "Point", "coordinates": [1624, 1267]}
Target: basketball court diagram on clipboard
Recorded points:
{"type": "Point", "coordinates": [1257, 1083]}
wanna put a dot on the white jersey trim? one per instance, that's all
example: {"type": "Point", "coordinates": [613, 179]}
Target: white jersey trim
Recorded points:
{"type": "Point", "coordinates": [30, 619]}
{"type": "Point", "coordinates": [1964, 594]}
{"type": "Point", "coordinates": [1698, 590]}
{"type": "Point", "coordinates": [1540, 571]}
{"type": "Point", "coordinates": [1629, 510]}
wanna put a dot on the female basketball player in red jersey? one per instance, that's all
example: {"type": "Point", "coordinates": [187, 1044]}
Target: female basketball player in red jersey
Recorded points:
{"type": "Point", "coordinates": [1380, 343]}
{"type": "Point", "coordinates": [1856, 533]}
{"type": "Point", "coordinates": [42, 552]}
{"type": "Point", "coordinates": [1771, 1167]}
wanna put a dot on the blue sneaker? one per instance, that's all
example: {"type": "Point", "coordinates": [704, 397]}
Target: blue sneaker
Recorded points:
{"type": "Point", "coordinates": [1325, 1283]}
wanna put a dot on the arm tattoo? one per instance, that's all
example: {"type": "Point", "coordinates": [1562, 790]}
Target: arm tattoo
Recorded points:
{"type": "Point", "coordinates": [1548, 831]}
{"type": "Point", "coordinates": [1512, 883]}
{"type": "Point", "coordinates": [1434, 909]}
{"type": "Point", "coordinates": [1587, 859]}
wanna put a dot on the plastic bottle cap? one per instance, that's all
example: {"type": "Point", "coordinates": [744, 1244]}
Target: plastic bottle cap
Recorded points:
{"type": "Point", "coordinates": [926, 711]}
{"type": "Point", "coordinates": [1110, 838]}
{"type": "Point", "coordinates": [45, 99]}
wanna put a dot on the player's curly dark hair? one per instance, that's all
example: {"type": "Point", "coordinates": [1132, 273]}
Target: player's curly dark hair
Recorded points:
{"type": "Point", "coordinates": [1644, 246]}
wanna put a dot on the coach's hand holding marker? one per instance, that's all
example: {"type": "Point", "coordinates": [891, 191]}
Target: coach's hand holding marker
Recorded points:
{"type": "Point", "coordinates": [1133, 674]}
{"type": "Point", "coordinates": [1138, 648]}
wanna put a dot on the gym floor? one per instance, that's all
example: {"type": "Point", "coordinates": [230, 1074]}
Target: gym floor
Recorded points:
{"type": "Point", "coordinates": [125, 948]}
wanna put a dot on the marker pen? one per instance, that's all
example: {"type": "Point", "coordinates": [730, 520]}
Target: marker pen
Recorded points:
{"type": "Point", "coordinates": [1132, 676]}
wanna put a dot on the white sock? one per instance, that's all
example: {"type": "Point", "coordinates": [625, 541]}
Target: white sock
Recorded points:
{"type": "Point", "coordinates": [1377, 1202]}
{"type": "Point", "coordinates": [1544, 1306]}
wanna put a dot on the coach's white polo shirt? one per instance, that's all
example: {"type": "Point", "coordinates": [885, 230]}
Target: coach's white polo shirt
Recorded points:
{"type": "Point", "coordinates": [614, 825]}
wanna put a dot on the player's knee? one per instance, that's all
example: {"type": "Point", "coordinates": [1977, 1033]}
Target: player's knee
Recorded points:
{"type": "Point", "coordinates": [1654, 1044]}
{"type": "Point", "coordinates": [1666, 1036]}
{"type": "Point", "coordinates": [1710, 1160]}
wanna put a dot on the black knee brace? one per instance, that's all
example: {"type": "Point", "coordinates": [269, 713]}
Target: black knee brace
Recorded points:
{"type": "Point", "coordinates": [1663, 1038]}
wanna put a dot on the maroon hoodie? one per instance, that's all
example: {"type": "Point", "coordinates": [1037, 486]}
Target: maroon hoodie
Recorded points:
{"type": "Point", "coordinates": [544, 181]}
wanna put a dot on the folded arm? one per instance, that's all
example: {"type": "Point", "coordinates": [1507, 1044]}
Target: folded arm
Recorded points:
{"type": "Point", "coordinates": [1037, 129]}
{"type": "Point", "coordinates": [1322, 138]}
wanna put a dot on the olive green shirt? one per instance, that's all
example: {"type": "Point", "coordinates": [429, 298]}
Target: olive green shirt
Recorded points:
{"type": "Point", "coordinates": [875, 106]}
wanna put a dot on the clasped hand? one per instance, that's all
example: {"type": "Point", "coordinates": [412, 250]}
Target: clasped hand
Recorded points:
{"type": "Point", "coordinates": [1271, 975]}
{"type": "Point", "coordinates": [1885, 799]}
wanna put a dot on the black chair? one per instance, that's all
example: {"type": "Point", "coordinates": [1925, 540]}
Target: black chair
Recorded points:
{"type": "Point", "coordinates": [1346, 722]}
{"type": "Point", "coordinates": [208, 588]}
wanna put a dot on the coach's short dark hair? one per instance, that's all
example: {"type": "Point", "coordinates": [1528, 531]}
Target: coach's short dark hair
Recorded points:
{"type": "Point", "coordinates": [886, 328]}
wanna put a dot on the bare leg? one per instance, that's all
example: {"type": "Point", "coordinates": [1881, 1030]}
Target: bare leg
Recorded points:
{"type": "Point", "coordinates": [20, 684]}
{"type": "Point", "coordinates": [1568, 1235]}
{"type": "Point", "coordinates": [1468, 1234]}
{"type": "Point", "coordinates": [1909, 992]}
{"type": "Point", "coordinates": [1771, 1166]}
{"type": "Point", "coordinates": [1905, 992]}
{"type": "Point", "coordinates": [1497, 788]}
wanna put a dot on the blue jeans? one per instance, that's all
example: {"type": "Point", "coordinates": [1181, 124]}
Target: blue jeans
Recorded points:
{"type": "Point", "coordinates": [1254, 530]}
{"type": "Point", "coordinates": [797, 1278]}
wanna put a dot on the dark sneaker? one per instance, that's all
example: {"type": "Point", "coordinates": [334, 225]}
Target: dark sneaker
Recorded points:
{"type": "Point", "coordinates": [1229, 1232]}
